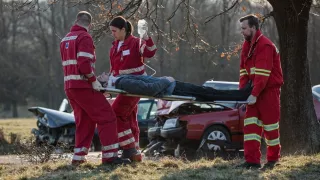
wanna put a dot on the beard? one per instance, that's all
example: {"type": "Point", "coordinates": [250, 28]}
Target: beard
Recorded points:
{"type": "Point", "coordinates": [248, 38]}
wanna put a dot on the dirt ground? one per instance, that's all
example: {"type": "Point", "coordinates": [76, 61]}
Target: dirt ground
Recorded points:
{"type": "Point", "coordinates": [15, 159]}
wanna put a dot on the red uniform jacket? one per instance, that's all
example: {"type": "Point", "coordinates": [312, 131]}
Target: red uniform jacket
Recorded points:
{"type": "Point", "coordinates": [129, 58]}
{"type": "Point", "coordinates": [260, 62]}
{"type": "Point", "coordinates": [78, 58]}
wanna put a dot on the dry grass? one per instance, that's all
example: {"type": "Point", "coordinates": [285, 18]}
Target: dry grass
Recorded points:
{"type": "Point", "coordinates": [20, 127]}
{"type": "Point", "coordinates": [292, 167]}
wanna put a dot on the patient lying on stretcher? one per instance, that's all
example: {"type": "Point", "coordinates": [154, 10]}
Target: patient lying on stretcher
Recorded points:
{"type": "Point", "coordinates": [161, 86]}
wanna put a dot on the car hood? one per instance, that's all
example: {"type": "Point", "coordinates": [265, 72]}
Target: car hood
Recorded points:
{"type": "Point", "coordinates": [52, 118]}
{"type": "Point", "coordinates": [169, 107]}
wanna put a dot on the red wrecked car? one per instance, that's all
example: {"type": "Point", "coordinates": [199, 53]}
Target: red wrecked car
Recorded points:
{"type": "Point", "coordinates": [197, 128]}
{"type": "Point", "coordinates": [201, 128]}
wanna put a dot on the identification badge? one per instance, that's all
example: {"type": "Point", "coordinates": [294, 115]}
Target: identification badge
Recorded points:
{"type": "Point", "coordinates": [126, 52]}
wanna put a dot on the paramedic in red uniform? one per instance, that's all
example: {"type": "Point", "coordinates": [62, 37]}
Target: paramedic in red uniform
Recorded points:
{"type": "Point", "coordinates": [126, 57]}
{"type": "Point", "coordinates": [260, 62]}
{"type": "Point", "coordinates": [90, 107]}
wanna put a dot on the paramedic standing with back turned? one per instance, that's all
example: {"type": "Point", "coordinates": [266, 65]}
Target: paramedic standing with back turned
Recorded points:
{"type": "Point", "coordinates": [90, 107]}
{"type": "Point", "coordinates": [260, 62]}
{"type": "Point", "coordinates": [126, 57]}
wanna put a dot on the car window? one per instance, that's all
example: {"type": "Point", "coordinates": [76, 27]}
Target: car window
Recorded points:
{"type": "Point", "coordinates": [143, 109]}
{"type": "Point", "coordinates": [153, 111]}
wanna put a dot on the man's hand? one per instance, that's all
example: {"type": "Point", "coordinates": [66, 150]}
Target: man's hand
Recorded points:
{"type": "Point", "coordinates": [96, 85]}
{"type": "Point", "coordinates": [251, 100]}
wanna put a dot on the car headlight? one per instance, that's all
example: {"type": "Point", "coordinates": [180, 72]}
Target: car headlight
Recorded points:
{"type": "Point", "coordinates": [171, 123]}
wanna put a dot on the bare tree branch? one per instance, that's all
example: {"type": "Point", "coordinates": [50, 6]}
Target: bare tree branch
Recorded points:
{"type": "Point", "coordinates": [236, 2]}
{"type": "Point", "coordinates": [174, 12]}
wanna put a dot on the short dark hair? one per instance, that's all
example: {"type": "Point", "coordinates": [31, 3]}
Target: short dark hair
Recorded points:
{"type": "Point", "coordinates": [120, 22]}
{"type": "Point", "coordinates": [253, 20]}
{"type": "Point", "coordinates": [84, 18]}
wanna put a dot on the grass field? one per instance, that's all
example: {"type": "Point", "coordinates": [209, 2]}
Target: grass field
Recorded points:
{"type": "Point", "coordinates": [291, 167]}
{"type": "Point", "coordinates": [20, 127]}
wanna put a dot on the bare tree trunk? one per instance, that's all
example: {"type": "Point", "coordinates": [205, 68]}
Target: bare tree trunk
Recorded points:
{"type": "Point", "coordinates": [13, 58]}
{"type": "Point", "coordinates": [315, 63]}
{"type": "Point", "coordinates": [299, 128]}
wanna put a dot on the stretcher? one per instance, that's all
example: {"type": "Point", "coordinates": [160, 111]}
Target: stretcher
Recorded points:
{"type": "Point", "coordinates": [165, 97]}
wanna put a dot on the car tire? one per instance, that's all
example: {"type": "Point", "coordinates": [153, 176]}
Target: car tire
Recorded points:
{"type": "Point", "coordinates": [211, 150]}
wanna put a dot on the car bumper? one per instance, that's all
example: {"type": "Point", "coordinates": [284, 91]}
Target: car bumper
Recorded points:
{"type": "Point", "coordinates": [154, 132]}
{"type": "Point", "coordinates": [177, 132]}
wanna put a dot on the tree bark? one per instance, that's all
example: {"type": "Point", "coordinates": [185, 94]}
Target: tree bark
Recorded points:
{"type": "Point", "coordinates": [299, 128]}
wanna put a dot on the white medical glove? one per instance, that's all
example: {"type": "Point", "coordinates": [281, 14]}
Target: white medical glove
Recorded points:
{"type": "Point", "coordinates": [251, 100]}
{"type": "Point", "coordinates": [96, 85]}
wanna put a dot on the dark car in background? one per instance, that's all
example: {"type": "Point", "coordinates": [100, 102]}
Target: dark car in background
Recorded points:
{"type": "Point", "coordinates": [316, 99]}
{"type": "Point", "coordinates": [57, 127]}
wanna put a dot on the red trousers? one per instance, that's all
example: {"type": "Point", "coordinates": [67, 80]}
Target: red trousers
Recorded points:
{"type": "Point", "coordinates": [91, 110]}
{"type": "Point", "coordinates": [263, 118]}
{"type": "Point", "coordinates": [125, 108]}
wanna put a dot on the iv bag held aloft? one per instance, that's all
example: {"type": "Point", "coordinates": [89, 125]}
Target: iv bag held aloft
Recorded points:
{"type": "Point", "coordinates": [142, 27]}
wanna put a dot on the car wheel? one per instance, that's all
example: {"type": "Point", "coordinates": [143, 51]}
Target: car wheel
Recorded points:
{"type": "Point", "coordinates": [214, 133]}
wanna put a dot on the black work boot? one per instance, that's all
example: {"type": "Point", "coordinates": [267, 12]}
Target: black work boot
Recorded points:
{"type": "Point", "coordinates": [133, 154]}
{"type": "Point", "coordinates": [118, 161]}
{"type": "Point", "coordinates": [269, 165]}
{"type": "Point", "coordinates": [248, 165]}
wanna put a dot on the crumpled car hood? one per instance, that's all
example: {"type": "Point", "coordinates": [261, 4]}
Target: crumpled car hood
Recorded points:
{"type": "Point", "coordinates": [52, 118]}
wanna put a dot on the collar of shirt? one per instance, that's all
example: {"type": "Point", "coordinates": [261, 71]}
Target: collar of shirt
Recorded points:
{"type": "Point", "coordinates": [78, 28]}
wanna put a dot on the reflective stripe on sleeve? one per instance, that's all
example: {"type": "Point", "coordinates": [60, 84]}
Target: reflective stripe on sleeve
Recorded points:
{"type": "Point", "coordinates": [132, 70]}
{"type": "Point", "coordinates": [69, 62]}
{"type": "Point", "coordinates": [85, 54]}
{"type": "Point", "coordinates": [72, 77]}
